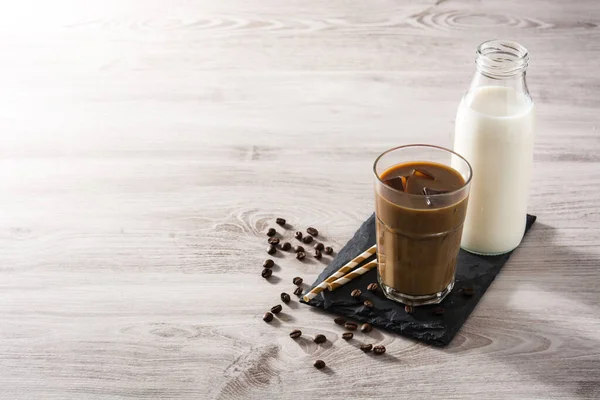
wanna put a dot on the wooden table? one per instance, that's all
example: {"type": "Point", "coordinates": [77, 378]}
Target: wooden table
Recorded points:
{"type": "Point", "coordinates": [146, 146]}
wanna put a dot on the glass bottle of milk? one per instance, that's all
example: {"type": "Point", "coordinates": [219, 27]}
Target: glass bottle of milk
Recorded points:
{"type": "Point", "coordinates": [494, 131]}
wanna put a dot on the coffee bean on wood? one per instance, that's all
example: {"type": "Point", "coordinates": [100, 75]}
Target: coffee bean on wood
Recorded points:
{"type": "Point", "coordinates": [307, 239]}
{"type": "Point", "coordinates": [285, 297]}
{"type": "Point", "coordinates": [271, 249]}
{"type": "Point", "coordinates": [295, 334]}
{"type": "Point", "coordinates": [267, 272]}
{"type": "Point", "coordinates": [318, 254]}
{"type": "Point", "coordinates": [300, 255]}
{"type": "Point", "coordinates": [379, 350]}
{"type": "Point", "coordinates": [297, 281]}
{"type": "Point", "coordinates": [268, 263]}
{"type": "Point", "coordinates": [328, 250]}
{"type": "Point", "coordinates": [271, 232]}
{"type": "Point", "coordinates": [268, 317]}
{"type": "Point", "coordinates": [298, 235]}
{"type": "Point", "coordinates": [298, 249]}
{"type": "Point", "coordinates": [312, 231]}
{"type": "Point", "coordinates": [366, 328]}
{"type": "Point", "coordinates": [319, 246]}
{"type": "Point", "coordinates": [339, 320]}
{"type": "Point", "coordinates": [286, 246]}
{"type": "Point", "coordinates": [298, 291]}
{"type": "Point", "coordinates": [276, 309]}
{"type": "Point", "coordinates": [347, 335]}
{"type": "Point", "coordinates": [320, 339]}
{"type": "Point", "coordinates": [366, 347]}
{"type": "Point", "coordinates": [273, 240]}
{"type": "Point", "coordinates": [319, 364]}
{"type": "Point", "coordinates": [351, 326]}
{"type": "Point", "coordinates": [280, 221]}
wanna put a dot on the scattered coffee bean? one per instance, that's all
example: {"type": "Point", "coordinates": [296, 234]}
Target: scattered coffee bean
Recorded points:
{"type": "Point", "coordinates": [268, 263]}
{"type": "Point", "coordinates": [438, 311]}
{"type": "Point", "coordinates": [312, 231]}
{"type": "Point", "coordinates": [273, 240]}
{"type": "Point", "coordinates": [298, 235]}
{"type": "Point", "coordinates": [468, 291]}
{"type": "Point", "coordinates": [271, 232]}
{"type": "Point", "coordinates": [268, 317]}
{"type": "Point", "coordinates": [295, 334]}
{"type": "Point", "coordinates": [280, 221]}
{"type": "Point", "coordinates": [339, 320]}
{"type": "Point", "coordinates": [373, 287]}
{"type": "Point", "coordinates": [276, 309]}
{"type": "Point", "coordinates": [355, 293]}
{"type": "Point", "coordinates": [369, 304]}
{"type": "Point", "coordinates": [319, 246]}
{"type": "Point", "coordinates": [409, 309]}
{"type": "Point", "coordinates": [366, 328]}
{"type": "Point", "coordinates": [379, 350]}
{"type": "Point", "coordinates": [307, 239]}
{"type": "Point", "coordinates": [267, 272]}
{"type": "Point", "coordinates": [351, 326]}
{"type": "Point", "coordinates": [366, 347]}
{"type": "Point", "coordinates": [298, 291]}
{"type": "Point", "coordinates": [328, 250]}
{"type": "Point", "coordinates": [347, 335]}
{"type": "Point", "coordinates": [318, 254]}
{"type": "Point", "coordinates": [271, 249]}
{"type": "Point", "coordinates": [298, 249]}
{"type": "Point", "coordinates": [300, 255]}
{"type": "Point", "coordinates": [319, 364]}
{"type": "Point", "coordinates": [285, 297]}
{"type": "Point", "coordinates": [320, 339]}
{"type": "Point", "coordinates": [297, 281]}
{"type": "Point", "coordinates": [286, 246]}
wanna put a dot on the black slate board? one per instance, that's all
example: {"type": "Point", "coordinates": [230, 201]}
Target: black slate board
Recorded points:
{"type": "Point", "coordinates": [472, 270]}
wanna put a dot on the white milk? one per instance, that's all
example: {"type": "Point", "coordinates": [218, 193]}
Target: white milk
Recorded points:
{"type": "Point", "coordinates": [494, 132]}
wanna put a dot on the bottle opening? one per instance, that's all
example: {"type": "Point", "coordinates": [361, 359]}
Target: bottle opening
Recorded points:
{"type": "Point", "coordinates": [500, 59]}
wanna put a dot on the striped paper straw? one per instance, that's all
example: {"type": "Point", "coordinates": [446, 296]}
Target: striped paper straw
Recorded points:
{"type": "Point", "coordinates": [351, 275]}
{"type": "Point", "coordinates": [339, 273]}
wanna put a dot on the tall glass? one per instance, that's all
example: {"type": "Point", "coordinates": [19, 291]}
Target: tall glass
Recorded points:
{"type": "Point", "coordinates": [418, 236]}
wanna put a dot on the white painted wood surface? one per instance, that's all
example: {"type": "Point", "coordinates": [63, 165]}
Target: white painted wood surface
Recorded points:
{"type": "Point", "coordinates": [146, 146]}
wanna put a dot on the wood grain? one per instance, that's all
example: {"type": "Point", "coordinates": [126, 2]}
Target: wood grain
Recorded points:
{"type": "Point", "coordinates": [146, 147]}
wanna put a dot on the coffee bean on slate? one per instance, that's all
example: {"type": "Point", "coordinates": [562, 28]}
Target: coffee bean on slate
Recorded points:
{"type": "Point", "coordinates": [285, 297]}
{"type": "Point", "coordinates": [409, 309]}
{"type": "Point", "coordinates": [295, 334]}
{"type": "Point", "coordinates": [286, 246]}
{"type": "Point", "coordinates": [320, 339]}
{"type": "Point", "coordinates": [268, 263]}
{"type": "Point", "coordinates": [438, 311]}
{"type": "Point", "coordinates": [298, 235]}
{"type": "Point", "coordinates": [300, 255]}
{"type": "Point", "coordinates": [369, 304]}
{"type": "Point", "coordinates": [319, 364]}
{"type": "Point", "coordinates": [276, 309]}
{"type": "Point", "coordinates": [372, 287]}
{"type": "Point", "coordinates": [351, 326]}
{"type": "Point", "coordinates": [273, 240]}
{"type": "Point", "coordinates": [318, 254]}
{"type": "Point", "coordinates": [280, 221]}
{"type": "Point", "coordinates": [297, 281]}
{"type": "Point", "coordinates": [468, 291]}
{"type": "Point", "coordinates": [312, 231]}
{"type": "Point", "coordinates": [339, 320]}
{"type": "Point", "coordinates": [366, 328]}
{"type": "Point", "coordinates": [319, 246]}
{"type": "Point", "coordinates": [347, 335]}
{"type": "Point", "coordinates": [355, 293]}
{"type": "Point", "coordinates": [379, 350]}
{"type": "Point", "coordinates": [298, 249]}
{"type": "Point", "coordinates": [271, 249]}
{"type": "Point", "coordinates": [366, 347]}
{"type": "Point", "coordinates": [298, 291]}
{"type": "Point", "coordinates": [271, 232]}
{"type": "Point", "coordinates": [307, 239]}
{"type": "Point", "coordinates": [267, 272]}
{"type": "Point", "coordinates": [328, 250]}
{"type": "Point", "coordinates": [268, 317]}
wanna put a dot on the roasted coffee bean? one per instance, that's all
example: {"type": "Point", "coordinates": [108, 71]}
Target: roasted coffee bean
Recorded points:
{"type": "Point", "coordinates": [295, 334]}
{"type": "Point", "coordinates": [268, 317]}
{"type": "Point", "coordinates": [276, 309]}
{"type": "Point", "coordinates": [347, 335]}
{"type": "Point", "coordinates": [409, 309]}
{"type": "Point", "coordinates": [271, 249]}
{"type": "Point", "coordinates": [307, 239]}
{"type": "Point", "coordinates": [372, 287]}
{"type": "Point", "coordinates": [298, 235]}
{"type": "Point", "coordinates": [366, 328]}
{"type": "Point", "coordinates": [328, 250]}
{"type": "Point", "coordinates": [379, 350]}
{"type": "Point", "coordinates": [273, 240]}
{"type": "Point", "coordinates": [285, 297]}
{"type": "Point", "coordinates": [312, 231]}
{"type": "Point", "coordinates": [318, 254]}
{"type": "Point", "coordinates": [297, 281]}
{"type": "Point", "coordinates": [369, 304]}
{"type": "Point", "coordinates": [339, 320]}
{"type": "Point", "coordinates": [280, 221]}
{"type": "Point", "coordinates": [320, 339]}
{"type": "Point", "coordinates": [355, 293]}
{"type": "Point", "coordinates": [300, 255]}
{"type": "Point", "coordinates": [298, 291]}
{"type": "Point", "coordinates": [438, 311]}
{"type": "Point", "coordinates": [351, 326]}
{"type": "Point", "coordinates": [268, 263]}
{"type": "Point", "coordinates": [319, 246]}
{"type": "Point", "coordinates": [267, 272]}
{"type": "Point", "coordinates": [286, 246]}
{"type": "Point", "coordinates": [366, 347]}
{"type": "Point", "coordinates": [319, 364]}
{"type": "Point", "coordinates": [298, 249]}
{"type": "Point", "coordinates": [271, 232]}
{"type": "Point", "coordinates": [468, 291]}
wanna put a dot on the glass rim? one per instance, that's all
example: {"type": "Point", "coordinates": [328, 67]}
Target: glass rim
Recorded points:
{"type": "Point", "coordinates": [430, 146]}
